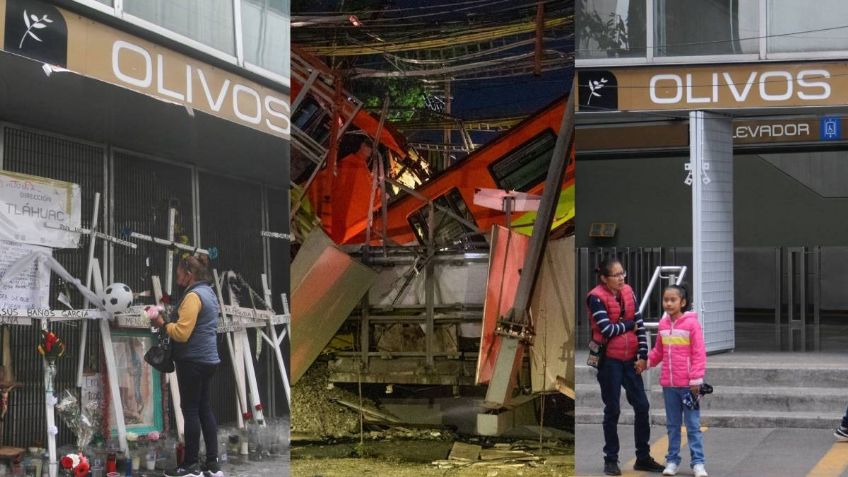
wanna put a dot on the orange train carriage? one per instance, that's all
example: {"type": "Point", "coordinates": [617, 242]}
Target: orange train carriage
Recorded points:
{"type": "Point", "coordinates": [518, 159]}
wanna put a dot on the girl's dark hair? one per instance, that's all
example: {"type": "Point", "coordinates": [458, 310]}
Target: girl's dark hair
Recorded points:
{"type": "Point", "coordinates": [683, 292]}
{"type": "Point", "coordinates": [605, 267]}
{"type": "Point", "coordinates": [198, 265]}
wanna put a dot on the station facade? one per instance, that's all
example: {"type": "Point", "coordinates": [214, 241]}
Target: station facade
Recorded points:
{"type": "Point", "coordinates": [154, 105]}
{"type": "Point", "coordinates": [665, 87]}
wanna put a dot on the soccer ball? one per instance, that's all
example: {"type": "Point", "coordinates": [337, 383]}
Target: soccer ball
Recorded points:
{"type": "Point", "coordinates": [117, 298]}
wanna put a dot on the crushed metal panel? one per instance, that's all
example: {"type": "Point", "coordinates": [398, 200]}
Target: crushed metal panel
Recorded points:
{"type": "Point", "coordinates": [326, 286]}
{"type": "Point", "coordinates": [456, 282]}
{"type": "Point", "coordinates": [505, 261]}
{"type": "Point", "coordinates": [552, 308]}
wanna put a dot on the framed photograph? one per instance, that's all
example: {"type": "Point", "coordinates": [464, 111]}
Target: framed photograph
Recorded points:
{"type": "Point", "coordinates": [139, 383]}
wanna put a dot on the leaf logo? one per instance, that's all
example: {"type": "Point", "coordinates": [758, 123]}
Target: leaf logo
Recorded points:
{"type": "Point", "coordinates": [33, 23]}
{"type": "Point", "coordinates": [594, 86]}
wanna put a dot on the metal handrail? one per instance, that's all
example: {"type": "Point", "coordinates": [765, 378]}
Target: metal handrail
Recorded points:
{"type": "Point", "coordinates": [656, 276]}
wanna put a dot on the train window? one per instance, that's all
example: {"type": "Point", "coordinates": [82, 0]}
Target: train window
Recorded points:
{"type": "Point", "coordinates": [524, 167]}
{"type": "Point", "coordinates": [313, 119]}
{"type": "Point", "coordinates": [449, 231]}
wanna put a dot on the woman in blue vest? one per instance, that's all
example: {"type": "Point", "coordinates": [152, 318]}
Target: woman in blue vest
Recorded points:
{"type": "Point", "coordinates": [195, 352]}
{"type": "Point", "coordinates": [617, 325]}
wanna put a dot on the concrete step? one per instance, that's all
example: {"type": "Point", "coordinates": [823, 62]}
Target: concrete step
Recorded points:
{"type": "Point", "coordinates": [731, 419]}
{"type": "Point", "coordinates": [761, 375]}
{"type": "Point", "coordinates": [773, 399]}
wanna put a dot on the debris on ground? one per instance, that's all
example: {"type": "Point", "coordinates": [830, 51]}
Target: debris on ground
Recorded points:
{"type": "Point", "coordinates": [313, 411]}
{"type": "Point", "coordinates": [321, 410]}
{"type": "Point", "coordinates": [505, 456]}
{"type": "Point", "coordinates": [463, 452]}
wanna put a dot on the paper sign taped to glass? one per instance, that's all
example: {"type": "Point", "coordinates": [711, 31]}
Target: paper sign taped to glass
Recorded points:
{"type": "Point", "coordinates": [28, 289]}
{"type": "Point", "coordinates": [27, 202]}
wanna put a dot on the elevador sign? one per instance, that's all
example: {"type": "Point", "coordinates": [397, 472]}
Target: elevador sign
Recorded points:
{"type": "Point", "coordinates": [711, 87]}
{"type": "Point", "coordinates": [60, 38]}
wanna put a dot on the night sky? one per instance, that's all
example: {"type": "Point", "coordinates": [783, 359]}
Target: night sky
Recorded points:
{"type": "Point", "coordinates": [473, 98]}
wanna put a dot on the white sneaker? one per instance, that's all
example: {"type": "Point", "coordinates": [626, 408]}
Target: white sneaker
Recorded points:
{"type": "Point", "coordinates": [670, 469]}
{"type": "Point", "coordinates": [700, 471]}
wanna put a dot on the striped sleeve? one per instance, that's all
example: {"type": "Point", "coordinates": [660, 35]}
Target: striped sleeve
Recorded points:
{"type": "Point", "coordinates": [641, 333]}
{"type": "Point", "coordinates": [599, 315]}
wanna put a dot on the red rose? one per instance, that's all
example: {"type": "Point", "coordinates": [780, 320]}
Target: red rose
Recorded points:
{"type": "Point", "coordinates": [247, 416]}
{"type": "Point", "coordinates": [259, 407]}
{"type": "Point", "coordinates": [82, 469]}
{"type": "Point", "coordinates": [67, 462]}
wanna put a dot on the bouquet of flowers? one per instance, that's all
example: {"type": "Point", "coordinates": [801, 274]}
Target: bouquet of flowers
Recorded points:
{"type": "Point", "coordinates": [75, 464]}
{"type": "Point", "coordinates": [51, 347]}
{"type": "Point", "coordinates": [82, 422]}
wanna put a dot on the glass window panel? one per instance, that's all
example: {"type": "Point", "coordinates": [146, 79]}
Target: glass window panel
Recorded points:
{"type": "Point", "coordinates": [610, 28]}
{"type": "Point", "coordinates": [265, 29]}
{"type": "Point", "coordinates": [525, 166]}
{"type": "Point", "coordinates": [824, 26]}
{"type": "Point", "coordinates": [209, 22]}
{"type": "Point", "coordinates": [706, 27]}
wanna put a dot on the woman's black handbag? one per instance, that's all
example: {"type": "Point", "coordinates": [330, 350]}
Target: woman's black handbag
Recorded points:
{"type": "Point", "coordinates": [159, 355]}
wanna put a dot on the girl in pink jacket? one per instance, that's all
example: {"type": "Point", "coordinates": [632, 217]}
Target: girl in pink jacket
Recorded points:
{"type": "Point", "coordinates": [680, 349]}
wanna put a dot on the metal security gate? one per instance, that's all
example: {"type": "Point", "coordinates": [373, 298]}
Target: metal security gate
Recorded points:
{"type": "Point", "coordinates": [143, 190]}
{"type": "Point", "coordinates": [279, 256]}
{"type": "Point", "coordinates": [711, 169]}
{"type": "Point", "coordinates": [47, 155]}
{"type": "Point", "coordinates": [231, 221]}
{"type": "Point", "coordinates": [137, 191]}
{"type": "Point", "coordinates": [797, 308]}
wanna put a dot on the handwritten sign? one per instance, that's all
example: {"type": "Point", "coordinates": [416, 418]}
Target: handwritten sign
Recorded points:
{"type": "Point", "coordinates": [238, 318]}
{"type": "Point", "coordinates": [30, 288]}
{"type": "Point", "coordinates": [27, 202]}
{"type": "Point", "coordinates": [243, 312]}
{"type": "Point", "coordinates": [92, 389]}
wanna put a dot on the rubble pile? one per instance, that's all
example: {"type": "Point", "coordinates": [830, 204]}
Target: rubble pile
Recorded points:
{"type": "Point", "coordinates": [505, 456]}
{"type": "Point", "coordinates": [314, 411]}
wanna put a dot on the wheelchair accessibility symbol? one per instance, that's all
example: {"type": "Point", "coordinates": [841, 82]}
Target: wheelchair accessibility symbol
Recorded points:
{"type": "Point", "coordinates": [830, 128]}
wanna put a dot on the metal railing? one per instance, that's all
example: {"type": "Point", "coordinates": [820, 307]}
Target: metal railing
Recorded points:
{"type": "Point", "coordinates": [658, 274]}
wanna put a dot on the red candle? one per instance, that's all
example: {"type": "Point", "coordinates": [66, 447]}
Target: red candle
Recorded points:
{"type": "Point", "coordinates": [111, 464]}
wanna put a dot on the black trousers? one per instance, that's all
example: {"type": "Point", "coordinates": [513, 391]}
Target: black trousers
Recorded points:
{"type": "Point", "coordinates": [194, 379]}
{"type": "Point", "coordinates": [613, 376]}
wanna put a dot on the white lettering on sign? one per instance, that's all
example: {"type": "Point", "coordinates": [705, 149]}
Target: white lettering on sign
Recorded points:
{"type": "Point", "coordinates": [771, 130]}
{"type": "Point", "coordinates": [256, 103]}
{"type": "Point", "coordinates": [771, 86]}
{"type": "Point", "coordinates": [248, 104]}
{"type": "Point", "coordinates": [160, 80]}
{"type": "Point", "coordinates": [133, 78]}
{"type": "Point", "coordinates": [678, 89]}
{"type": "Point", "coordinates": [766, 80]}
{"type": "Point", "coordinates": [823, 85]}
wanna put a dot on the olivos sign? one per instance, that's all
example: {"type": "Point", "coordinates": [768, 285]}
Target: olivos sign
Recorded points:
{"type": "Point", "coordinates": [41, 31]}
{"type": "Point", "coordinates": [714, 87]}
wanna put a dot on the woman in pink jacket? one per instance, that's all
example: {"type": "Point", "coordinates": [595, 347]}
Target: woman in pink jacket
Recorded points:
{"type": "Point", "coordinates": [680, 349]}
